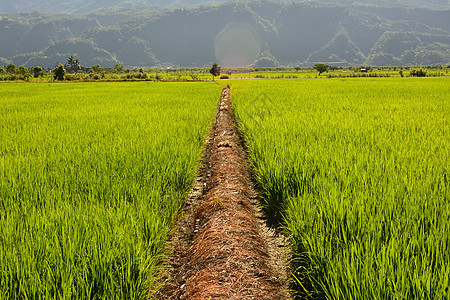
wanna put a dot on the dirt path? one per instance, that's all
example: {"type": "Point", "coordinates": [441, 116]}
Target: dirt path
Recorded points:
{"type": "Point", "coordinates": [221, 246]}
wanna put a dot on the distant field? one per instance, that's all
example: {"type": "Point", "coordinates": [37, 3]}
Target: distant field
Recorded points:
{"type": "Point", "coordinates": [271, 73]}
{"type": "Point", "coordinates": [91, 178]}
{"type": "Point", "coordinates": [203, 74]}
{"type": "Point", "coordinates": [288, 72]}
{"type": "Point", "coordinates": [356, 171]}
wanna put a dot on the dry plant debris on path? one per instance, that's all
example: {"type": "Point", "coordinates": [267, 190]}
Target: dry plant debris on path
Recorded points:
{"type": "Point", "coordinates": [221, 247]}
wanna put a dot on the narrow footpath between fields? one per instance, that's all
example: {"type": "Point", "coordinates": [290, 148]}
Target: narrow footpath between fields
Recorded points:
{"type": "Point", "coordinates": [221, 246]}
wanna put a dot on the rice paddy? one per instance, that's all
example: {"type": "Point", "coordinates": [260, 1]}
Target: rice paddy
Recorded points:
{"type": "Point", "coordinates": [356, 173]}
{"type": "Point", "coordinates": [92, 176]}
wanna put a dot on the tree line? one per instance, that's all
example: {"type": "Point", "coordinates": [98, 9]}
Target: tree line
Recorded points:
{"type": "Point", "coordinates": [74, 71]}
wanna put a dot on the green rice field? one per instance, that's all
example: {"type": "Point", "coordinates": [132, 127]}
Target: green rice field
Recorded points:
{"type": "Point", "coordinates": [356, 173]}
{"type": "Point", "coordinates": [92, 176]}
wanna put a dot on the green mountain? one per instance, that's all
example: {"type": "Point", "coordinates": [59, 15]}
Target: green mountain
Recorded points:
{"type": "Point", "coordinates": [88, 6]}
{"type": "Point", "coordinates": [233, 33]}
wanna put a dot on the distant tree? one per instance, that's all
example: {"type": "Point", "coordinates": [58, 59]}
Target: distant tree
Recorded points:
{"type": "Point", "coordinates": [11, 69]}
{"type": "Point", "coordinates": [418, 73]}
{"type": "Point", "coordinates": [401, 73]}
{"type": "Point", "coordinates": [321, 68]}
{"type": "Point", "coordinates": [70, 60]}
{"type": "Point", "coordinates": [118, 67]}
{"type": "Point", "coordinates": [37, 71]}
{"type": "Point", "coordinates": [215, 70]}
{"type": "Point", "coordinates": [22, 70]}
{"type": "Point", "coordinates": [73, 64]}
{"type": "Point", "coordinates": [2, 70]}
{"type": "Point", "coordinates": [96, 69]}
{"type": "Point", "coordinates": [297, 68]}
{"type": "Point", "coordinates": [59, 72]}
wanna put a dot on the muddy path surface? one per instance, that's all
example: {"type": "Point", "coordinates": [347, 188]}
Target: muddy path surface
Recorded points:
{"type": "Point", "coordinates": [221, 247]}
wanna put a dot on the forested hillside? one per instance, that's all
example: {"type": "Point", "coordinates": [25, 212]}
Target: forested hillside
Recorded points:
{"type": "Point", "coordinates": [88, 6]}
{"type": "Point", "coordinates": [263, 33]}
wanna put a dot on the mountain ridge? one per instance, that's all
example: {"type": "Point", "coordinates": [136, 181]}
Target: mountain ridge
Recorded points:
{"type": "Point", "coordinates": [89, 6]}
{"type": "Point", "coordinates": [290, 33]}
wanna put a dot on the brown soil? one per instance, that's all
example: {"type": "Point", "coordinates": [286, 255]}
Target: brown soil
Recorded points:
{"type": "Point", "coordinates": [221, 247]}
